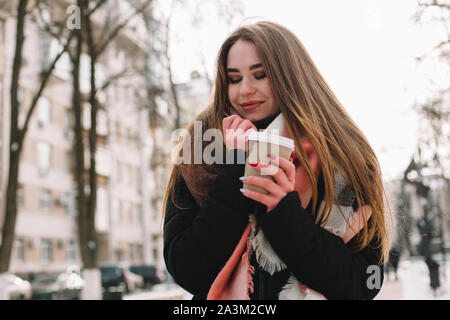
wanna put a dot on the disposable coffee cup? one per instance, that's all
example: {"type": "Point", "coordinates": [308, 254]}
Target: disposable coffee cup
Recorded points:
{"type": "Point", "coordinates": [260, 145]}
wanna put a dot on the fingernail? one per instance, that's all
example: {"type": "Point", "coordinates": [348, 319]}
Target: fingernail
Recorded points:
{"type": "Point", "coordinates": [242, 190]}
{"type": "Point", "coordinates": [270, 156]}
{"type": "Point", "coordinates": [292, 155]}
{"type": "Point", "coordinates": [253, 164]}
{"type": "Point", "coordinates": [243, 178]}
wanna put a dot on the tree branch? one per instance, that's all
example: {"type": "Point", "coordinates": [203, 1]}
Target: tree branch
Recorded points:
{"type": "Point", "coordinates": [46, 75]}
{"type": "Point", "coordinates": [435, 3]}
{"type": "Point", "coordinates": [120, 27]}
{"type": "Point", "coordinates": [113, 78]}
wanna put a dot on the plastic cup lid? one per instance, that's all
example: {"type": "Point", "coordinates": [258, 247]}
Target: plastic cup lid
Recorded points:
{"type": "Point", "coordinates": [272, 138]}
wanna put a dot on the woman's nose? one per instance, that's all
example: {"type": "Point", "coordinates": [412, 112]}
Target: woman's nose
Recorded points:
{"type": "Point", "coordinates": [247, 88]}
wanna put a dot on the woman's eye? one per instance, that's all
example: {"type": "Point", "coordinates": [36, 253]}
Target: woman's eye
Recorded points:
{"type": "Point", "coordinates": [260, 76]}
{"type": "Point", "coordinates": [234, 80]}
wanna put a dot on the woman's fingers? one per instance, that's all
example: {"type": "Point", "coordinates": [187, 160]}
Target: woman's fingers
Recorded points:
{"type": "Point", "coordinates": [236, 122]}
{"type": "Point", "coordinates": [267, 200]}
{"type": "Point", "coordinates": [279, 175]}
{"type": "Point", "coordinates": [246, 125]}
{"type": "Point", "coordinates": [286, 165]}
{"type": "Point", "coordinates": [236, 131]}
{"type": "Point", "coordinates": [226, 122]}
{"type": "Point", "coordinates": [266, 184]}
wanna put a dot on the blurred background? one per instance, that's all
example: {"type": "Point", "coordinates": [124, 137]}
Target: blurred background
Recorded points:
{"type": "Point", "coordinates": [91, 91]}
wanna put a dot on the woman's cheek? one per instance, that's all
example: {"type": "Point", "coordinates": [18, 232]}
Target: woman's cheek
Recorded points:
{"type": "Point", "coordinates": [302, 186]}
{"type": "Point", "coordinates": [301, 180]}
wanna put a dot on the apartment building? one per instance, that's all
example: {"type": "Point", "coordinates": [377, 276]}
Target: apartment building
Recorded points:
{"type": "Point", "coordinates": [127, 221]}
{"type": "Point", "coordinates": [194, 96]}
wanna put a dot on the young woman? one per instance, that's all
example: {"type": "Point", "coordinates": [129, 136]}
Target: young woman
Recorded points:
{"type": "Point", "coordinates": [221, 240]}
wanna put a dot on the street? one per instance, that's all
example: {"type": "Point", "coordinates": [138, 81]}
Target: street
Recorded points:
{"type": "Point", "coordinates": [412, 284]}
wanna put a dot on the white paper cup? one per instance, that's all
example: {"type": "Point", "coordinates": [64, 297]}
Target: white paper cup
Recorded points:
{"type": "Point", "coordinates": [261, 144]}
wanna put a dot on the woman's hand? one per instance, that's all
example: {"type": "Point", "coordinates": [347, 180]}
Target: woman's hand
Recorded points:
{"type": "Point", "coordinates": [283, 172]}
{"type": "Point", "coordinates": [235, 132]}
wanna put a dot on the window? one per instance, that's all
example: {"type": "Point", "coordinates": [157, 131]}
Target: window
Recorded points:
{"type": "Point", "coordinates": [71, 253]}
{"type": "Point", "coordinates": [46, 200]}
{"type": "Point", "coordinates": [155, 254]}
{"type": "Point", "coordinates": [124, 173]}
{"type": "Point", "coordinates": [46, 250]}
{"type": "Point", "coordinates": [121, 209]}
{"type": "Point", "coordinates": [103, 161]}
{"type": "Point", "coordinates": [86, 115]}
{"type": "Point", "coordinates": [18, 246]}
{"type": "Point", "coordinates": [45, 13]}
{"type": "Point", "coordinates": [132, 213]}
{"type": "Point", "coordinates": [44, 110]}
{"type": "Point", "coordinates": [139, 252]}
{"type": "Point", "coordinates": [139, 213]}
{"type": "Point", "coordinates": [44, 154]}
{"type": "Point", "coordinates": [85, 71]}
{"type": "Point", "coordinates": [102, 217]}
{"type": "Point", "coordinates": [102, 123]}
{"type": "Point", "coordinates": [155, 247]}
{"type": "Point", "coordinates": [126, 206]}
{"type": "Point", "coordinates": [71, 207]}
{"type": "Point", "coordinates": [67, 123]}
{"type": "Point", "coordinates": [1, 96]}
{"type": "Point", "coordinates": [19, 197]}
{"type": "Point", "coordinates": [120, 255]}
{"type": "Point", "coordinates": [2, 27]}
{"type": "Point", "coordinates": [45, 49]}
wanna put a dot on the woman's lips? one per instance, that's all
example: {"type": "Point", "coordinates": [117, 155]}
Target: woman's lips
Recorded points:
{"type": "Point", "coordinates": [251, 105]}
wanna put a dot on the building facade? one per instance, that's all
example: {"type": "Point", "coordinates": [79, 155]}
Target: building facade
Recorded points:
{"type": "Point", "coordinates": [127, 220]}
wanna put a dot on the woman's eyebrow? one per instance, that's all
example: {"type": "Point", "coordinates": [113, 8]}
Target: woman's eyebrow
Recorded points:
{"type": "Point", "coordinates": [252, 67]}
{"type": "Point", "coordinates": [255, 66]}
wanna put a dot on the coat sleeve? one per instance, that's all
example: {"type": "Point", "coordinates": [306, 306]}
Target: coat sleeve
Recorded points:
{"type": "Point", "coordinates": [318, 258]}
{"type": "Point", "coordinates": [199, 241]}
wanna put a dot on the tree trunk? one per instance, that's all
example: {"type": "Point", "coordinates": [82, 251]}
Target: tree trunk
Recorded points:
{"type": "Point", "coordinates": [79, 147]}
{"type": "Point", "coordinates": [92, 203]}
{"type": "Point", "coordinates": [15, 147]}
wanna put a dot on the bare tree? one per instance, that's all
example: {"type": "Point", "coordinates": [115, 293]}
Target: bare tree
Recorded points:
{"type": "Point", "coordinates": [436, 108]}
{"type": "Point", "coordinates": [17, 133]}
{"type": "Point", "coordinates": [202, 13]}
{"type": "Point", "coordinates": [96, 45]}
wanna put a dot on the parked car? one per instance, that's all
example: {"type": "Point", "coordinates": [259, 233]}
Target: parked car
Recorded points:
{"type": "Point", "coordinates": [53, 286]}
{"type": "Point", "coordinates": [132, 280]}
{"type": "Point", "coordinates": [113, 282]}
{"type": "Point", "coordinates": [148, 272]}
{"type": "Point", "coordinates": [17, 288]}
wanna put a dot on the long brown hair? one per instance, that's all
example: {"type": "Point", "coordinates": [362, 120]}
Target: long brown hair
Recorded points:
{"type": "Point", "coordinates": [310, 109]}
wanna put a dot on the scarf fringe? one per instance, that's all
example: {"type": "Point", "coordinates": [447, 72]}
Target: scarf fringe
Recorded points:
{"type": "Point", "coordinates": [250, 285]}
{"type": "Point", "coordinates": [291, 290]}
{"type": "Point", "coordinates": [294, 290]}
{"type": "Point", "coordinates": [265, 255]}
{"type": "Point", "coordinates": [250, 271]}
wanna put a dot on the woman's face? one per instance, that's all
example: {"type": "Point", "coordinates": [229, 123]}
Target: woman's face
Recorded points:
{"type": "Point", "coordinates": [249, 90]}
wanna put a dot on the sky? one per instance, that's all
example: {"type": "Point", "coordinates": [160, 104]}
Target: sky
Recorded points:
{"type": "Point", "coordinates": [365, 49]}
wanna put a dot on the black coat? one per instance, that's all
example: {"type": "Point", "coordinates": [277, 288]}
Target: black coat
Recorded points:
{"type": "Point", "coordinates": [199, 241]}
